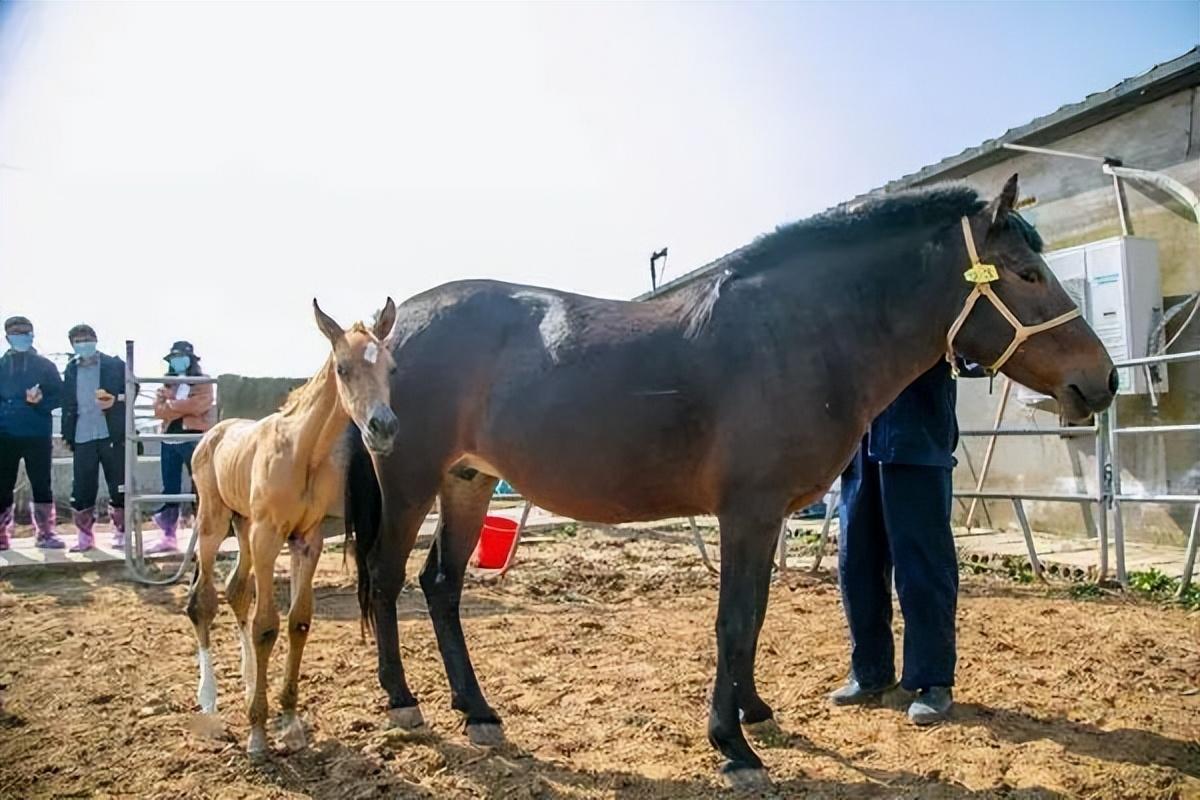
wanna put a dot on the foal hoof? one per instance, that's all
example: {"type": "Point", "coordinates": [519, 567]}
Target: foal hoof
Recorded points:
{"type": "Point", "coordinates": [293, 736]}
{"type": "Point", "coordinates": [766, 731]}
{"type": "Point", "coordinates": [407, 718]}
{"type": "Point", "coordinates": [485, 734]}
{"type": "Point", "coordinates": [256, 748]}
{"type": "Point", "coordinates": [746, 778]}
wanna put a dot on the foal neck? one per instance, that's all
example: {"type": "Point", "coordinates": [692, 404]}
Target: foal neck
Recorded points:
{"type": "Point", "coordinates": [319, 417]}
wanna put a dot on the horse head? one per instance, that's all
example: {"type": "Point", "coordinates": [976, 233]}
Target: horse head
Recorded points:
{"type": "Point", "coordinates": [363, 366]}
{"type": "Point", "coordinates": [1027, 327]}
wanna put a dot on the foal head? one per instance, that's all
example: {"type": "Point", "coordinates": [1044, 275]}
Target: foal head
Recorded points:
{"type": "Point", "coordinates": [363, 367]}
{"type": "Point", "coordinates": [1041, 342]}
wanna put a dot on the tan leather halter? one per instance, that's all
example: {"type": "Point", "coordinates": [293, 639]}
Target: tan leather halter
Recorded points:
{"type": "Point", "coordinates": [982, 275]}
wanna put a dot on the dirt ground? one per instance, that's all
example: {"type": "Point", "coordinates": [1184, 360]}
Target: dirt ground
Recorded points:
{"type": "Point", "coordinates": [598, 652]}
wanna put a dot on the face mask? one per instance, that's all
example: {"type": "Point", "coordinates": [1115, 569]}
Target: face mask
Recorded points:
{"type": "Point", "coordinates": [20, 342]}
{"type": "Point", "coordinates": [179, 364]}
{"type": "Point", "coordinates": [84, 349]}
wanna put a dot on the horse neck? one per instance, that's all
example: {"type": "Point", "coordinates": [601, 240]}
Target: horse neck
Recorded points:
{"type": "Point", "coordinates": [320, 423]}
{"type": "Point", "coordinates": [885, 310]}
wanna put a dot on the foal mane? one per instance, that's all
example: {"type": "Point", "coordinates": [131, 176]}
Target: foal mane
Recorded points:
{"type": "Point", "coordinates": [304, 396]}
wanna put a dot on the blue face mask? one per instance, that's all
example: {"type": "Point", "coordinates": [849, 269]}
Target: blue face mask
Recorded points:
{"type": "Point", "coordinates": [21, 342]}
{"type": "Point", "coordinates": [179, 364]}
{"type": "Point", "coordinates": [84, 349]}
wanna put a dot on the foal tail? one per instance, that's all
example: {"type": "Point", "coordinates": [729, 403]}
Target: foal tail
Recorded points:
{"type": "Point", "coordinates": [363, 512]}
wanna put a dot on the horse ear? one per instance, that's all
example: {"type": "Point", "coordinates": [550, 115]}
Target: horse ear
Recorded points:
{"type": "Point", "coordinates": [385, 320]}
{"type": "Point", "coordinates": [998, 210]}
{"type": "Point", "coordinates": [328, 326]}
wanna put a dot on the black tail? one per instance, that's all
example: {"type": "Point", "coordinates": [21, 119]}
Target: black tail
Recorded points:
{"type": "Point", "coordinates": [364, 510]}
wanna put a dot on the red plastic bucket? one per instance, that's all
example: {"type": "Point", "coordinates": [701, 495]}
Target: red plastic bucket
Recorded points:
{"type": "Point", "coordinates": [495, 541]}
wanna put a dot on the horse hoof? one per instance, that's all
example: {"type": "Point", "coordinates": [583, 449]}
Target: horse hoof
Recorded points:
{"type": "Point", "coordinates": [294, 738]}
{"type": "Point", "coordinates": [407, 718]}
{"type": "Point", "coordinates": [766, 731]}
{"type": "Point", "coordinates": [485, 734]}
{"type": "Point", "coordinates": [256, 748]}
{"type": "Point", "coordinates": [746, 778]}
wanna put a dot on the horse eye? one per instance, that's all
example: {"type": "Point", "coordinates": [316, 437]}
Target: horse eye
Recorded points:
{"type": "Point", "coordinates": [342, 371]}
{"type": "Point", "coordinates": [392, 369]}
{"type": "Point", "coordinates": [1030, 275]}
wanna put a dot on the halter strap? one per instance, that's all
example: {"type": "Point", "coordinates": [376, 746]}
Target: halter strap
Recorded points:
{"type": "Point", "coordinates": [982, 275]}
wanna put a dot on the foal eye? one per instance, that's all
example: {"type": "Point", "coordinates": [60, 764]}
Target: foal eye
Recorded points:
{"type": "Point", "coordinates": [1030, 275]}
{"type": "Point", "coordinates": [342, 371]}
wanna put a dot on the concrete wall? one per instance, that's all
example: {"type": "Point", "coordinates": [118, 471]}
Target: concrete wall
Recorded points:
{"type": "Point", "coordinates": [1076, 204]}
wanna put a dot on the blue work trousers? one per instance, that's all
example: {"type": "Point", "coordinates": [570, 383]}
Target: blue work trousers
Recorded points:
{"type": "Point", "coordinates": [895, 520]}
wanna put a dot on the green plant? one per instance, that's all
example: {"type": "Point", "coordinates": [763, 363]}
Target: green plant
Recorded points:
{"type": "Point", "coordinates": [1152, 582]}
{"type": "Point", "coordinates": [1086, 591]}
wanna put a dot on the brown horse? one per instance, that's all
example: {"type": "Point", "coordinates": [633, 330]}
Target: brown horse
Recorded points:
{"type": "Point", "coordinates": [743, 395]}
{"type": "Point", "coordinates": [279, 477]}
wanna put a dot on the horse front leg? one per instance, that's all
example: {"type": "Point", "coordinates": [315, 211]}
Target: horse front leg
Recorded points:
{"type": "Point", "coordinates": [464, 503]}
{"type": "Point", "coordinates": [305, 552]}
{"type": "Point", "coordinates": [265, 543]}
{"type": "Point", "coordinates": [386, 564]}
{"type": "Point", "coordinates": [747, 544]}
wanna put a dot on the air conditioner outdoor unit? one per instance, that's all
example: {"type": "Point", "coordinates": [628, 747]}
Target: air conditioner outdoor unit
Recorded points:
{"type": "Point", "coordinates": [1116, 283]}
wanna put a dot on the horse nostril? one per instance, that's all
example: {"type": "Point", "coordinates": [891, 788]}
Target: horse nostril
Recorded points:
{"type": "Point", "coordinates": [375, 425]}
{"type": "Point", "coordinates": [1114, 381]}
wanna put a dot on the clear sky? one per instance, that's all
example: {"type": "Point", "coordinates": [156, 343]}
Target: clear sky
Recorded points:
{"type": "Point", "coordinates": [202, 170]}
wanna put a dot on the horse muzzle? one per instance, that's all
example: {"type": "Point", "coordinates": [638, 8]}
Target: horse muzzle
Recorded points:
{"type": "Point", "coordinates": [1081, 398]}
{"type": "Point", "coordinates": [379, 432]}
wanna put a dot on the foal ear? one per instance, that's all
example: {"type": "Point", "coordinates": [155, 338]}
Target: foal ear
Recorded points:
{"type": "Point", "coordinates": [998, 210]}
{"type": "Point", "coordinates": [328, 326]}
{"type": "Point", "coordinates": [385, 320]}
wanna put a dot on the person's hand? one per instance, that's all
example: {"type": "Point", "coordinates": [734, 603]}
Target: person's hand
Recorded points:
{"type": "Point", "coordinates": [33, 395]}
{"type": "Point", "coordinates": [104, 400]}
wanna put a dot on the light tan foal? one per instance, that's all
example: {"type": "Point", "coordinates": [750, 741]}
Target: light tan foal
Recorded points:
{"type": "Point", "coordinates": [276, 479]}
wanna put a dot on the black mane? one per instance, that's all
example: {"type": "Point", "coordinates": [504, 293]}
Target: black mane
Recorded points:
{"type": "Point", "coordinates": [875, 218]}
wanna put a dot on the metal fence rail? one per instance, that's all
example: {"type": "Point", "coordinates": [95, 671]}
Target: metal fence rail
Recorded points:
{"type": "Point", "coordinates": [1108, 497]}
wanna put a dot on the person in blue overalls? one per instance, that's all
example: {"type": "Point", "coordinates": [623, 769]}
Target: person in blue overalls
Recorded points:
{"type": "Point", "coordinates": [895, 521]}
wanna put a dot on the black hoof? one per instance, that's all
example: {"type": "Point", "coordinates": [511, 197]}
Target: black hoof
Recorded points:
{"type": "Point", "coordinates": [744, 778]}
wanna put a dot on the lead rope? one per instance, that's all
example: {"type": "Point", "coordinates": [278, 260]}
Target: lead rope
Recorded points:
{"type": "Point", "coordinates": [982, 276]}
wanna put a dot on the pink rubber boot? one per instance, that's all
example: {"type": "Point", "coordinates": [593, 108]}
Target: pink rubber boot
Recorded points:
{"type": "Point", "coordinates": [44, 519]}
{"type": "Point", "coordinates": [166, 520]}
{"type": "Point", "coordinates": [85, 521]}
{"type": "Point", "coordinates": [118, 521]}
{"type": "Point", "coordinates": [6, 525]}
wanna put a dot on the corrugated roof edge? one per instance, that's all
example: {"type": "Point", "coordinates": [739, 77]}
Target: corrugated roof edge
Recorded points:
{"type": "Point", "coordinates": [1157, 82]}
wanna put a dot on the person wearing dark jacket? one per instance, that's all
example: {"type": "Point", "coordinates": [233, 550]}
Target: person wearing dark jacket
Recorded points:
{"type": "Point", "coordinates": [93, 427]}
{"type": "Point", "coordinates": [895, 524]}
{"type": "Point", "coordinates": [29, 390]}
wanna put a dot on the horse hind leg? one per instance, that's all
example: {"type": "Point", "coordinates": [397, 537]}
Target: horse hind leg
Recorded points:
{"type": "Point", "coordinates": [213, 523]}
{"type": "Point", "coordinates": [464, 501]}
{"type": "Point", "coordinates": [305, 553]}
{"type": "Point", "coordinates": [238, 593]}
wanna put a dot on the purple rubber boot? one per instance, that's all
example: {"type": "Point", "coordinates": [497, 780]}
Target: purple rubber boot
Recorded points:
{"type": "Point", "coordinates": [85, 521]}
{"type": "Point", "coordinates": [118, 521]}
{"type": "Point", "coordinates": [6, 526]}
{"type": "Point", "coordinates": [166, 520]}
{"type": "Point", "coordinates": [44, 518]}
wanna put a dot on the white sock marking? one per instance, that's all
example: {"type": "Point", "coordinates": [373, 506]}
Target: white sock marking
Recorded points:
{"type": "Point", "coordinates": [207, 691]}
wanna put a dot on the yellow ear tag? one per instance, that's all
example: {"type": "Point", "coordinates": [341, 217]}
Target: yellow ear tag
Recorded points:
{"type": "Point", "coordinates": [982, 273]}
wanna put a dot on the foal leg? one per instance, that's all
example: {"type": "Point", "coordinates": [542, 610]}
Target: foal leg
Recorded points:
{"type": "Point", "coordinates": [747, 545]}
{"type": "Point", "coordinates": [238, 595]}
{"type": "Point", "coordinates": [265, 544]}
{"type": "Point", "coordinates": [306, 552]}
{"type": "Point", "coordinates": [464, 502]}
{"type": "Point", "coordinates": [212, 523]}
